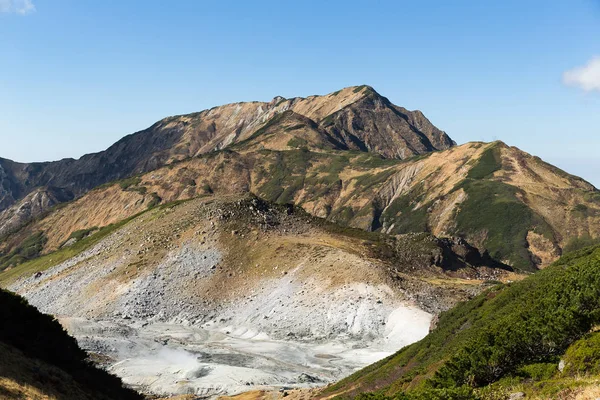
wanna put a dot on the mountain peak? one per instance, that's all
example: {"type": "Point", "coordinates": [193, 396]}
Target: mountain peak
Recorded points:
{"type": "Point", "coordinates": [353, 118]}
{"type": "Point", "coordinates": [276, 100]}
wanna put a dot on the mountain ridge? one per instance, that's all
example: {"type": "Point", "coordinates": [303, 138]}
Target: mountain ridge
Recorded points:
{"type": "Point", "coordinates": [342, 156]}
{"type": "Point", "coordinates": [467, 191]}
{"type": "Point", "coordinates": [179, 137]}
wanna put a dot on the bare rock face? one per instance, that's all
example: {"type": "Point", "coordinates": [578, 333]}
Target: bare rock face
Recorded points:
{"type": "Point", "coordinates": [33, 205]}
{"type": "Point", "coordinates": [375, 125]}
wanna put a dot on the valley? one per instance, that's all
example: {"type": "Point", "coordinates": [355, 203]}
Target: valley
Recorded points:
{"type": "Point", "coordinates": [219, 296]}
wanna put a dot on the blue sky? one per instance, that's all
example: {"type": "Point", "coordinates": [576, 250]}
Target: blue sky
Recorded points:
{"type": "Point", "coordinates": [77, 75]}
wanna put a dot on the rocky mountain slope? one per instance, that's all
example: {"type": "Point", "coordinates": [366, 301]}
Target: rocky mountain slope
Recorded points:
{"type": "Point", "coordinates": [217, 295]}
{"type": "Point", "coordinates": [351, 157]}
{"type": "Point", "coordinates": [537, 338]}
{"type": "Point", "coordinates": [352, 118]}
{"type": "Point", "coordinates": [520, 210]}
{"type": "Point", "coordinates": [38, 360]}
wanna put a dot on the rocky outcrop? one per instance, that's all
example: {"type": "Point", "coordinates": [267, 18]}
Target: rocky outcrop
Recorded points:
{"type": "Point", "coordinates": [34, 205]}
{"type": "Point", "coordinates": [374, 124]}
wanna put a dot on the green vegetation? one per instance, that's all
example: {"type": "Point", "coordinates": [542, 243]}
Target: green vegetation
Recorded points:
{"type": "Point", "coordinates": [403, 214]}
{"type": "Point", "coordinates": [41, 337]}
{"type": "Point", "coordinates": [82, 233]}
{"type": "Point", "coordinates": [539, 371]}
{"type": "Point", "coordinates": [297, 142]}
{"type": "Point", "coordinates": [511, 336]}
{"type": "Point", "coordinates": [369, 180]}
{"type": "Point", "coordinates": [360, 88]}
{"type": "Point", "coordinates": [582, 211]}
{"type": "Point", "coordinates": [29, 249]}
{"type": "Point", "coordinates": [592, 197]}
{"type": "Point", "coordinates": [343, 215]}
{"type": "Point", "coordinates": [370, 161]}
{"type": "Point", "coordinates": [489, 163]}
{"type": "Point", "coordinates": [493, 210]}
{"type": "Point", "coordinates": [462, 393]}
{"type": "Point", "coordinates": [294, 127]}
{"type": "Point", "coordinates": [286, 175]}
{"type": "Point", "coordinates": [580, 242]}
{"type": "Point", "coordinates": [583, 357]}
{"type": "Point", "coordinates": [129, 182]}
{"type": "Point", "coordinates": [207, 189]}
{"type": "Point", "coordinates": [328, 120]}
{"type": "Point", "coordinates": [154, 200]}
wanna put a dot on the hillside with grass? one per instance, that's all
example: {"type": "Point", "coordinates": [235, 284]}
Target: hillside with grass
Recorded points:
{"type": "Point", "coordinates": [38, 360]}
{"type": "Point", "coordinates": [537, 336]}
{"type": "Point", "coordinates": [511, 206]}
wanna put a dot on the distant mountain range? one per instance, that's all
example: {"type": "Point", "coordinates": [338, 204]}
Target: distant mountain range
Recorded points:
{"type": "Point", "coordinates": [350, 156]}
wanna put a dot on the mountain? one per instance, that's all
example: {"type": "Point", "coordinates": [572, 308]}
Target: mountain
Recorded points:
{"type": "Point", "coordinates": [351, 157]}
{"type": "Point", "coordinates": [202, 248]}
{"type": "Point", "coordinates": [520, 210]}
{"type": "Point", "coordinates": [536, 338]}
{"type": "Point", "coordinates": [39, 360]}
{"type": "Point", "coordinates": [355, 118]}
{"type": "Point", "coordinates": [221, 294]}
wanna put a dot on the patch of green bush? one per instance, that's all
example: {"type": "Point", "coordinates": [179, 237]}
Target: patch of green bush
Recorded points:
{"type": "Point", "coordinates": [360, 88]}
{"type": "Point", "coordinates": [403, 214]}
{"type": "Point", "coordinates": [493, 209]}
{"type": "Point", "coordinates": [286, 175]}
{"type": "Point", "coordinates": [154, 200]}
{"type": "Point", "coordinates": [583, 356]}
{"type": "Point", "coordinates": [82, 233]}
{"type": "Point", "coordinates": [296, 142]}
{"type": "Point", "coordinates": [29, 249]}
{"type": "Point", "coordinates": [129, 182]}
{"type": "Point", "coordinates": [369, 161]}
{"type": "Point", "coordinates": [294, 127]}
{"type": "Point", "coordinates": [328, 120]}
{"type": "Point", "coordinates": [538, 371]}
{"type": "Point", "coordinates": [369, 180]}
{"type": "Point", "coordinates": [581, 242]}
{"type": "Point", "coordinates": [489, 163]}
{"type": "Point", "coordinates": [461, 393]}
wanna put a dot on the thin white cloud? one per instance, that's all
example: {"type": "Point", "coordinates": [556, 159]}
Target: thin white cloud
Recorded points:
{"type": "Point", "coordinates": [22, 7]}
{"type": "Point", "coordinates": [586, 77]}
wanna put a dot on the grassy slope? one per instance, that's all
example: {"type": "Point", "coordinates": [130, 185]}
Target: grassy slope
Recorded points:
{"type": "Point", "coordinates": [346, 186]}
{"type": "Point", "coordinates": [499, 340]}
